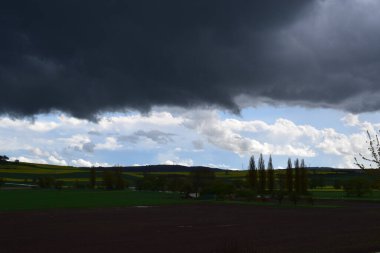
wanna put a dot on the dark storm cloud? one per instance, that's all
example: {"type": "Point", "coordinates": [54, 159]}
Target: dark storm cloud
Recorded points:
{"type": "Point", "coordinates": [153, 135]}
{"type": "Point", "coordinates": [85, 57]}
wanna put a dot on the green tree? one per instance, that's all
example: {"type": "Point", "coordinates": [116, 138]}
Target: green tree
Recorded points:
{"type": "Point", "coordinates": [289, 176]}
{"type": "Point", "coordinates": [270, 175]}
{"type": "Point", "coordinates": [297, 176]}
{"type": "Point", "coordinates": [262, 174]}
{"type": "Point", "coordinates": [281, 181]}
{"type": "Point", "coordinates": [358, 187]}
{"type": "Point", "coordinates": [337, 184]}
{"type": "Point", "coordinates": [3, 158]}
{"type": "Point", "coordinates": [46, 182]}
{"type": "Point", "coordinates": [252, 173]}
{"type": "Point", "coordinates": [201, 179]}
{"type": "Point", "coordinates": [109, 179]}
{"type": "Point", "coordinates": [120, 182]}
{"type": "Point", "coordinates": [93, 178]}
{"type": "Point", "coordinates": [304, 178]}
{"type": "Point", "coordinates": [113, 179]}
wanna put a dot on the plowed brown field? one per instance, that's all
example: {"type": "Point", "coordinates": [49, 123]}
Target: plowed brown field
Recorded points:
{"type": "Point", "coordinates": [194, 228]}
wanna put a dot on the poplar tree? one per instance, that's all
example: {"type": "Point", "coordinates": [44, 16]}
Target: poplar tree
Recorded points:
{"type": "Point", "coordinates": [270, 175]}
{"type": "Point", "coordinates": [297, 176]}
{"type": "Point", "coordinates": [262, 175]}
{"type": "Point", "coordinates": [289, 176]}
{"type": "Point", "coordinates": [304, 178]}
{"type": "Point", "coordinates": [252, 173]}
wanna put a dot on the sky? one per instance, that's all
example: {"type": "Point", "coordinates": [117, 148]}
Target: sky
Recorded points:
{"type": "Point", "coordinates": [103, 83]}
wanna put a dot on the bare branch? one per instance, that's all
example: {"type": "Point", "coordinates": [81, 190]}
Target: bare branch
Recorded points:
{"type": "Point", "coordinates": [374, 149]}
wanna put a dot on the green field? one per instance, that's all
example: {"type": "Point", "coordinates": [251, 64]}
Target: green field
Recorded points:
{"type": "Point", "coordinates": [39, 199]}
{"type": "Point", "coordinates": [11, 200]}
{"type": "Point", "coordinates": [340, 194]}
{"type": "Point", "coordinates": [77, 194]}
{"type": "Point", "coordinates": [27, 172]}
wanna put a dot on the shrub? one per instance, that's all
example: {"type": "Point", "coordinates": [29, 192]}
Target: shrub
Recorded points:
{"type": "Point", "coordinates": [93, 178]}
{"type": "Point", "coordinates": [120, 183]}
{"type": "Point", "coordinates": [219, 187]}
{"type": "Point", "coordinates": [337, 184]}
{"type": "Point", "coordinates": [317, 181]}
{"type": "Point", "coordinates": [310, 199]}
{"type": "Point", "coordinates": [279, 196]}
{"type": "Point", "coordinates": [202, 178]}
{"type": "Point", "coordinates": [46, 182]}
{"type": "Point", "coordinates": [152, 183]}
{"type": "Point", "coordinates": [58, 184]}
{"type": "Point", "coordinates": [374, 176]}
{"type": "Point", "coordinates": [79, 185]}
{"type": "Point", "coordinates": [247, 194]}
{"type": "Point", "coordinates": [175, 183]}
{"type": "Point", "coordinates": [187, 187]}
{"type": "Point", "coordinates": [357, 186]}
{"type": "Point", "coordinates": [109, 180]}
{"type": "Point", "coordinates": [294, 197]}
{"type": "Point", "coordinates": [113, 180]}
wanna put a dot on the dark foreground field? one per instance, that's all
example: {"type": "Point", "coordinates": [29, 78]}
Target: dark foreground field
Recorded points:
{"type": "Point", "coordinates": [194, 228]}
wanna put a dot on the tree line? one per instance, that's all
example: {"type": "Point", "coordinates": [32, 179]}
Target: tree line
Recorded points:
{"type": "Point", "coordinates": [263, 180]}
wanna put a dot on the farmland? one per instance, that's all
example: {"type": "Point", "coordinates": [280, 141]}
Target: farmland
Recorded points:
{"type": "Point", "coordinates": [29, 172]}
{"type": "Point", "coordinates": [323, 183]}
{"type": "Point", "coordinates": [16, 200]}
{"type": "Point", "coordinates": [194, 228]}
{"type": "Point", "coordinates": [85, 216]}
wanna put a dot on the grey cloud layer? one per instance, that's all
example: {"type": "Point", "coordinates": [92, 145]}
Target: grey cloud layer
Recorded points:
{"type": "Point", "coordinates": [94, 56]}
{"type": "Point", "coordinates": [153, 135]}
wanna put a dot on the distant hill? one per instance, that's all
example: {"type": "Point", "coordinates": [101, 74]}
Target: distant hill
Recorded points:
{"type": "Point", "coordinates": [29, 173]}
{"type": "Point", "coordinates": [150, 168]}
{"type": "Point", "coordinates": [181, 168]}
{"type": "Point", "coordinates": [145, 168]}
{"type": "Point", "coordinates": [330, 169]}
{"type": "Point", "coordinates": [161, 168]}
